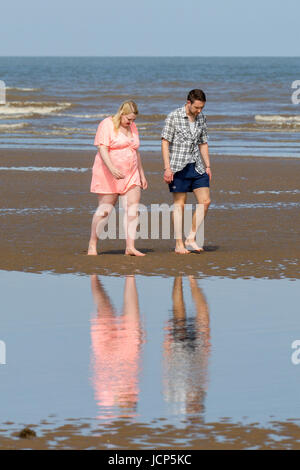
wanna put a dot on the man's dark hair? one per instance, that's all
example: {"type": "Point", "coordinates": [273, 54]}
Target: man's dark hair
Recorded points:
{"type": "Point", "coordinates": [196, 95]}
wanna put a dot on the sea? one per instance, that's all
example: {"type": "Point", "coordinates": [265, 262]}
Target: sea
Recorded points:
{"type": "Point", "coordinates": [252, 108]}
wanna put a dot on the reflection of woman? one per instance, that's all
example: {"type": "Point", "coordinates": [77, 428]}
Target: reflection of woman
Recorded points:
{"type": "Point", "coordinates": [117, 171]}
{"type": "Point", "coordinates": [186, 351]}
{"type": "Point", "coordinates": [116, 349]}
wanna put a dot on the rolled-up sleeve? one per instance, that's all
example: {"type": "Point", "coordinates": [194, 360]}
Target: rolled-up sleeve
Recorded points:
{"type": "Point", "coordinates": [169, 129]}
{"type": "Point", "coordinates": [103, 134]}
{"type": "Point", "coordinates": [203, 138]}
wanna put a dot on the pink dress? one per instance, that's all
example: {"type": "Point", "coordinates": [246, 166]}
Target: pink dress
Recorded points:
{"type": "Point", "coordinates": [122, 152]}
{"type": "Point", "coordinates": [116, 349]}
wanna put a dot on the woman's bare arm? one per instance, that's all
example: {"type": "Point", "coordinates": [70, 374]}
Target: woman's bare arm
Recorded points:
{"type": "Point", "coordinates": [141, 171]}
{"type": "Point", "coordinates": [104, 153]}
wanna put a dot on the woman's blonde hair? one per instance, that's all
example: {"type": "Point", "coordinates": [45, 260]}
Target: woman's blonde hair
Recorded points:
{"type": "Point", "coordinates": [127, 107]}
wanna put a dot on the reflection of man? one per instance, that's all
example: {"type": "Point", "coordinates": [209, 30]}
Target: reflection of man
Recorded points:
{"type": "Point", "coordinates": [186, 351]}
{"type": "Point", "coordinates": [116, 349]}
{"type": "Point", "coordinates": [186, 164]}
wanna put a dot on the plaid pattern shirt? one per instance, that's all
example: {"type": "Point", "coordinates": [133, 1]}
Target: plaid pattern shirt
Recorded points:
{"type": "Point", "coordinates": [184, 145]}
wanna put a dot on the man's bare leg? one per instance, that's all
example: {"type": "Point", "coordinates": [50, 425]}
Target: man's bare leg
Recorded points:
{"type": "Point", "coordinates": [203, 201]}
{"type": "Point", "coordinates": [178, 300]}
{"type": "Point", "coordinates": [179, 202]}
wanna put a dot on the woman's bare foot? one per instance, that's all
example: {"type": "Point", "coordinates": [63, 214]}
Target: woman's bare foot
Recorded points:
{"type": "Point", "coordinates": [181, 250]}
{"type": "Point", "coordinates": [133, 252]}
{"type": "Point", "coordinates": [192, 245]}
{"type": "Point", "coordinates": [92, 249]}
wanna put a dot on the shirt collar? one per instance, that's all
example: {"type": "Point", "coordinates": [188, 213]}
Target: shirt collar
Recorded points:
{"type": "Point", "coordinates": [183, 114]}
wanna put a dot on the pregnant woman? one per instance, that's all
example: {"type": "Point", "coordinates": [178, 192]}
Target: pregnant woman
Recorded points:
{"type": "Point", "coordinates": [117, 170]}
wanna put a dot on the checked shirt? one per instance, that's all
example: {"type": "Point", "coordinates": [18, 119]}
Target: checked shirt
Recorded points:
{"type": "Point", "coordinates": [184, 145]}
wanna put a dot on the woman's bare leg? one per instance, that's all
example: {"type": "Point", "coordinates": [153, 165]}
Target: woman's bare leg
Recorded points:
{"type": "Point", "coordinates": [130, 202]}
{"type": "Point", "coordinates": [106, 203]}
{"type": "Point", "coordinates": [101, 298]}
{"type": "Point", "coordinates": [131, 302]}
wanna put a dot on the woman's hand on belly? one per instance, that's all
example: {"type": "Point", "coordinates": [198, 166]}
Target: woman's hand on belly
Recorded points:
{"type": "Point", "coordinates": [116, 173]}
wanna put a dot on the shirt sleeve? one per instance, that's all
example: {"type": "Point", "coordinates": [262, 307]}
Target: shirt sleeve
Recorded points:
{"type": "Point", "coordinates": [169, 129]}
{"type": "Point", "coordinates": [103, 134]}
{"type": "Point", "coordinates": [203, 136]}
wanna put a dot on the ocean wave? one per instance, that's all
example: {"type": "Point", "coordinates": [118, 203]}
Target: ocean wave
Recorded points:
{"type": "Point", "coordinates": [117, 98]}
{"type": "Point", "coordinates": [219, 117]}
{"type": "Point", "coordinates": [277, 119]}
{"type": "Point", "coordinates": [84, 116]}
{"type": "Point", "coordinates": [21, 88]}
{"type": "Point", "coordinates": [72, 130]}
{"type": "Point", "coordinates": [20, 125]}
{"type": "Point", "coordinates": [75, 129]}
{"type": "Point", "coordinates": [29, 108]}
{"type": "Point", "coordinates": [248, 98]}
{"type": "Point", "coordinates": [255, 128]}
{"type": "Point", "coordinates": [151, 117]}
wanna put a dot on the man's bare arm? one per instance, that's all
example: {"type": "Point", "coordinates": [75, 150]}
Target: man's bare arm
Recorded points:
{"type": "Point", "coordinates": [168, 174]}
{"type": "Point", "coordinates": [205, 155]}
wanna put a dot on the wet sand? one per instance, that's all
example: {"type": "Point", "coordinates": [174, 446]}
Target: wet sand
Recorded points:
{"type": "Point", "coordinates": [125, 435]}
{"type": "Point", "coordinates": [251, 229]}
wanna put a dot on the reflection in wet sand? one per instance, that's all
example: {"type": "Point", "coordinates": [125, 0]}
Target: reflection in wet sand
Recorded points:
{"type": "Point", "coordinates": [116, 350]}
{"type": "Point", "coordinates": [186, 352]}
{"type": "Point", "coordinates": [252, 398]}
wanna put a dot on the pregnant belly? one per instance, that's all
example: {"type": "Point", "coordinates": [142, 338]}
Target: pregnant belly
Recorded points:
{"type": "Point", "coordinates": [124, 161]}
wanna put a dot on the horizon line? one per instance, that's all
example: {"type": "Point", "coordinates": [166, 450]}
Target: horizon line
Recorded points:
{"type": "Point", "coordinates": [152, 56]}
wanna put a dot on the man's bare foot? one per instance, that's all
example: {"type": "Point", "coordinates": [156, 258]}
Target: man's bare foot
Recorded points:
{"type": "Point", "coordinates": [181, 250]}
{"type": "Point", "coordinates": [133, 252]}
{"type": "Point", "coordinates": [192, 245]}
{"type": "Point", "coordinates": [92, 249]}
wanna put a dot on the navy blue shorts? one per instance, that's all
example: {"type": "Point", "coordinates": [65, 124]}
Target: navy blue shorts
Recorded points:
{"type": "Point", "coordinates": [188, 179]}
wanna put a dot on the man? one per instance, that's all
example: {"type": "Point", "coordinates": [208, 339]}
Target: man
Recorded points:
{"type": "Point", "coordinates": [186, 164]}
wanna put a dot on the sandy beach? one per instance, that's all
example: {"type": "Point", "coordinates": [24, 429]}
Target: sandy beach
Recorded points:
{"type": "Point", "coordinates": [124, 435]}
{"type": "Point", "coordinates": [251, 229]}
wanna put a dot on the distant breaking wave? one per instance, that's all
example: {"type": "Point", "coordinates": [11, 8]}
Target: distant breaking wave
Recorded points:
{"type": "Point", "coordinates": [21, 88]}
{"type": "Point", "coordinates": [29, 108]}
{"type": "Point", "coordinates": [277, 119]}
{"type": "Point", "coordinates": [13, 126]}
{"type": "Point", "coordinates": [85, 116]}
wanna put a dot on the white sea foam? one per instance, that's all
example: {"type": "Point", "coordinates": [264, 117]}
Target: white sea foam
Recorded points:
{"type": "Point", "coordinates": [265, 205]}
{"type": "Point", "coordinates": [73, 130]}
{"type": "Point", "coordinates": [20, 125]}
{"type": "Point", "coordinates": [15, 108]}
{"type": "Point", "coordinates": [289, 191]}
{"type": "Point", "coordinates": [43, 168]}
{"type": "Point", "coordinates": [21, 88]}
{"type": "Point", "coordinates": [277, 119]}
{"type": "Point", "coordinates": [33, 210]}
{"type": "Point", "coordinates": [85, 116]}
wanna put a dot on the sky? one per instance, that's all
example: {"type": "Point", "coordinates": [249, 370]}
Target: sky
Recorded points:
{"type": "Point", "coordinates": [150, 28]}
